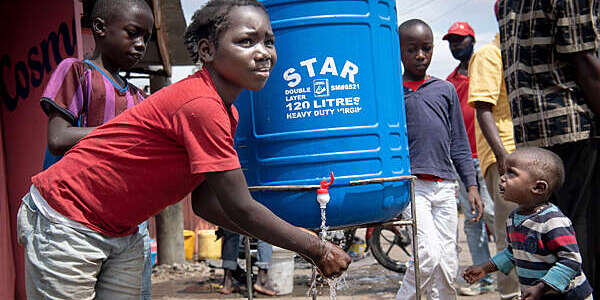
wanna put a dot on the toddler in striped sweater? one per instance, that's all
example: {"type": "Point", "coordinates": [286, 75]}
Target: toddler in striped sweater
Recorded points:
{"type": "Point", "coordinates": [541, 240]}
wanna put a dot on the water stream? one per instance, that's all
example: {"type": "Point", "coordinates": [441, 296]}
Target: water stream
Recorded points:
{"type": "Point", "coordinates": [333, 283]}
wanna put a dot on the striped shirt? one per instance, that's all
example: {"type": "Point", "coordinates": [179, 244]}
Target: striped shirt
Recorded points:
{"type": "Point", "coordinates": [542, 247]}
{"type": "Point", "coordinates": [548, 108]}
{"type": "Point", "coordinates": [79, 89]}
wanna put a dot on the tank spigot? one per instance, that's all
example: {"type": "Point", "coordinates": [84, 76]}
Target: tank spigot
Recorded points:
{"type": "Point", "coordinates": [323, 193]}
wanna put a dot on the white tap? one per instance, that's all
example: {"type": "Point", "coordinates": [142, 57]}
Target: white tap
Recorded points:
{"type": "Point", "coordinates": [323, 193]}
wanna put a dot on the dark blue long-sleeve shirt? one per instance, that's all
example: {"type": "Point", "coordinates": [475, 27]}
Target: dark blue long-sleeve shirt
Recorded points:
{"type": "Point", "coordinates": [436, 132]}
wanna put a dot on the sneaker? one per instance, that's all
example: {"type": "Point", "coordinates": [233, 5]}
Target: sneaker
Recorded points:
{"type": "Point", "coordinates": [475, 289]}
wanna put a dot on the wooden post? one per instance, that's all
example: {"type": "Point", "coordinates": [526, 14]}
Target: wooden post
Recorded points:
{"type": "Point", "coordinates": [169, 235]}
{"type": "Point", "coordinates": [169, 222]}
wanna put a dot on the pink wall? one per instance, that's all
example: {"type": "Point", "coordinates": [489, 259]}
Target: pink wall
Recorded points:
{"type": "Point", "coordinates": [7, 276]}
{"type": "Point", "coordinates": [38, 35]}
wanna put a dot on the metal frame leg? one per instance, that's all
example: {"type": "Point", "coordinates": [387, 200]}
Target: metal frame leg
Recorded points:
{"type": "Point", "coordinates": [412, 222]}
{"type": "Point", "coordinates": [248, 268]}
{"type": "Point", "coordinates": [414, 236]}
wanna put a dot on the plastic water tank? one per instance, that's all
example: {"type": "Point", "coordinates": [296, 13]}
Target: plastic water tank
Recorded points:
{"type": "Point", "coordinates": [334, 102]}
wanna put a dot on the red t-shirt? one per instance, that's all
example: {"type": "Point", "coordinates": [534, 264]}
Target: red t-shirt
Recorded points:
{"type": "Point", "coordinates": [461, 84]}
{"type": "Point", "coordinates": [145, 159]}
{"type": "Point", "coordinates": [414, 85]}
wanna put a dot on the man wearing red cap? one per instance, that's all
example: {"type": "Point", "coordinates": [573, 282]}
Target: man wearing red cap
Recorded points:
{"type": "Point", "coordinates": [461, 39]}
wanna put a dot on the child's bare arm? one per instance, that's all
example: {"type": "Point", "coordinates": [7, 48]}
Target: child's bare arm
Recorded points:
{"type": "Point", "coordinates": [206, 205]}
{"type": "Point", "coordinates": [474, 273]}
{"type": "Point", "coordinates": [61, 134]}
{"type": "Point", "coordinates": [237, 208]}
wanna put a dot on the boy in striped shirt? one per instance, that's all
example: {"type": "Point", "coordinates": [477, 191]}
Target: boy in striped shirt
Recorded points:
{"type": "Point", "coordinates": [541, 240]}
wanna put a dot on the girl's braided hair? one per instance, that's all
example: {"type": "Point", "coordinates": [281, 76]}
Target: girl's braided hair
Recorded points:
{"type": "Point", "coordinates": [209, 21]}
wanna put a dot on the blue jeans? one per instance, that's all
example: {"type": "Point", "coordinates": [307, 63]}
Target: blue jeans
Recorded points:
{"type": "Point", "coordinates": [477, 237]}
{"type": "Point", "coordinates": [147, 273]}
{"type": "Point", "coordinates": [231, 247]}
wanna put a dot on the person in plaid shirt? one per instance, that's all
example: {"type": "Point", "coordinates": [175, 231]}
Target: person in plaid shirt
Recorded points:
{"type": "Point", "coordinates": [552, 74]}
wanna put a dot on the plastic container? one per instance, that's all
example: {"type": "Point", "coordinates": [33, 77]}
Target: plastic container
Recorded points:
{"type": "Point", "coordinates": [208, 245]}
{"type": "Point", "coordinates": [188, 243]}
{"type": "Point", "coordinates": [281, 272]}
{"type": "Point", "coordinates": [333, 102]}
{"type": "Point", "coordinates": [357, 249]}
{"type": "Point", "coordinates": [153, 251]}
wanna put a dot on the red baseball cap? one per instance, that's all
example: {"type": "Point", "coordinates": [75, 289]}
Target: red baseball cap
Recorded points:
{"type": "Point", "coordinates": [460, 28]}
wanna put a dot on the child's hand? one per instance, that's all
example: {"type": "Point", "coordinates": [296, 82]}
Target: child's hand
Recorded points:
{"type": "Point", "coordinates": [333, 261]}
{"type": "Point", "coordinates": [535, 292]}
{"type": "Point", "coordinates": [473, 273]}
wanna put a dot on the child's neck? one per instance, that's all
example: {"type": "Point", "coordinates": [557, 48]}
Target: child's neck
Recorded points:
{"type": "Point", "coordinates": [113, 71]}
{"type": "Point", "coordinates": [412, 77]}
{"type": "Point", "coordinates": [226, 90]}
{"type": "Point", "coordinates": [525, 210]}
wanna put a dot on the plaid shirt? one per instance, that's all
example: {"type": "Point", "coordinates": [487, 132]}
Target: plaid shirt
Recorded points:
{"type": "Point", "coordinates": [548, 107]}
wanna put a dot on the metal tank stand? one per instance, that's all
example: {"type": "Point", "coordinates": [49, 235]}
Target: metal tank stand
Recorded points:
{"type": "Point", "coordinates": [412, 222]}
{"type": "Point", "coordinates": [248, 268]}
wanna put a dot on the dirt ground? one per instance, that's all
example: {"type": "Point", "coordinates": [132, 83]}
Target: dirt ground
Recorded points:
{"type": "Point", "coordinates": [365, 279]}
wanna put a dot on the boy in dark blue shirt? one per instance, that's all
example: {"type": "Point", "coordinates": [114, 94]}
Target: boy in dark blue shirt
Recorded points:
{"type": "Point", "coordinates": [437, 140]}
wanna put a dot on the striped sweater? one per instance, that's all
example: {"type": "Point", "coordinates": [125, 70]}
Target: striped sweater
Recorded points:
{"type": "Point", "coordinates": [542, 247]}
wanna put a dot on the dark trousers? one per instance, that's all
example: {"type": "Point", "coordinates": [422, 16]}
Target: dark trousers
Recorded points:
{"type": "Point", "coordinates": [579, 199]}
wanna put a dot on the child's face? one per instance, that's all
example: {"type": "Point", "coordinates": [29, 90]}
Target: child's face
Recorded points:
{"type": "Point", "coordinates": [518, 183]}
{"type": "Point", "coordinates": [126, 36]}
{"type": "Point", "coordinates": [416, 48]}
{"type": "Point", "coordinates": [245, 54]}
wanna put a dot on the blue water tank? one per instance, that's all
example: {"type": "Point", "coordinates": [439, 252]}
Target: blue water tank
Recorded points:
{"type": "Point", "coordinates": [334, 102]}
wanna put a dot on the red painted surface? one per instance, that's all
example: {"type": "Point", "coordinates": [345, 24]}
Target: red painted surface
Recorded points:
{"type": "Point", "coordinates": [27, 58]}
{"type": "Point", "coordinates": [37, 35]}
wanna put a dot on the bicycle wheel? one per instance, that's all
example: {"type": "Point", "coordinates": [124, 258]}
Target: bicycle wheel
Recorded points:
{"type": "Point", "coordinates": [391, 247]}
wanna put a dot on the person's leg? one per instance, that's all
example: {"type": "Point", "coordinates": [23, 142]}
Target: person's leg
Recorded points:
{"type": "Point", "coordinates": [229, 255]}
{"type": "Point", "coordinates": [477, 240]}
{"type": "Point", "coordinates": [265, 251]}
{"type": "Point", "coordinates": [486, 199]}
{"type": "Point", "coordinates": [26, 224]}
{"type": "Point", "coordinates": [60, 262]}
{"type": "Point", "coordinates": [147, 273]}
{"type": "Point", "coordinates": [578, 200]}
{"type": "Point", "coordinates": [121, 275]}
{"type": "Point", "coordinates": [427, 243]}
{"type": "Point", "coordinates": [508, 286]}
{"type": "Point", "coordinates": [445, 221]}
{"type": "Point", "coordinates": [263, 284]}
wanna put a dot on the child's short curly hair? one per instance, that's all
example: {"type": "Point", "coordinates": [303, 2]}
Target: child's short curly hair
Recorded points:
{"type": "Point", "coordinates": [545, 165]}
{"type": "Point", "coordinates": [106, 9]}
{"type": "Point", "coordinates": [412, 23]}
{"type": "Point", "coordinates": [209, 21]}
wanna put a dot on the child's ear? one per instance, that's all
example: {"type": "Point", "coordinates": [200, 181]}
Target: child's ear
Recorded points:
{"type": "Point", "coordinates": [540, 187]}
{"type": "Point", "coordinates": [206, 50]}
{"type": "Point", "coordinates": [98, 27]}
